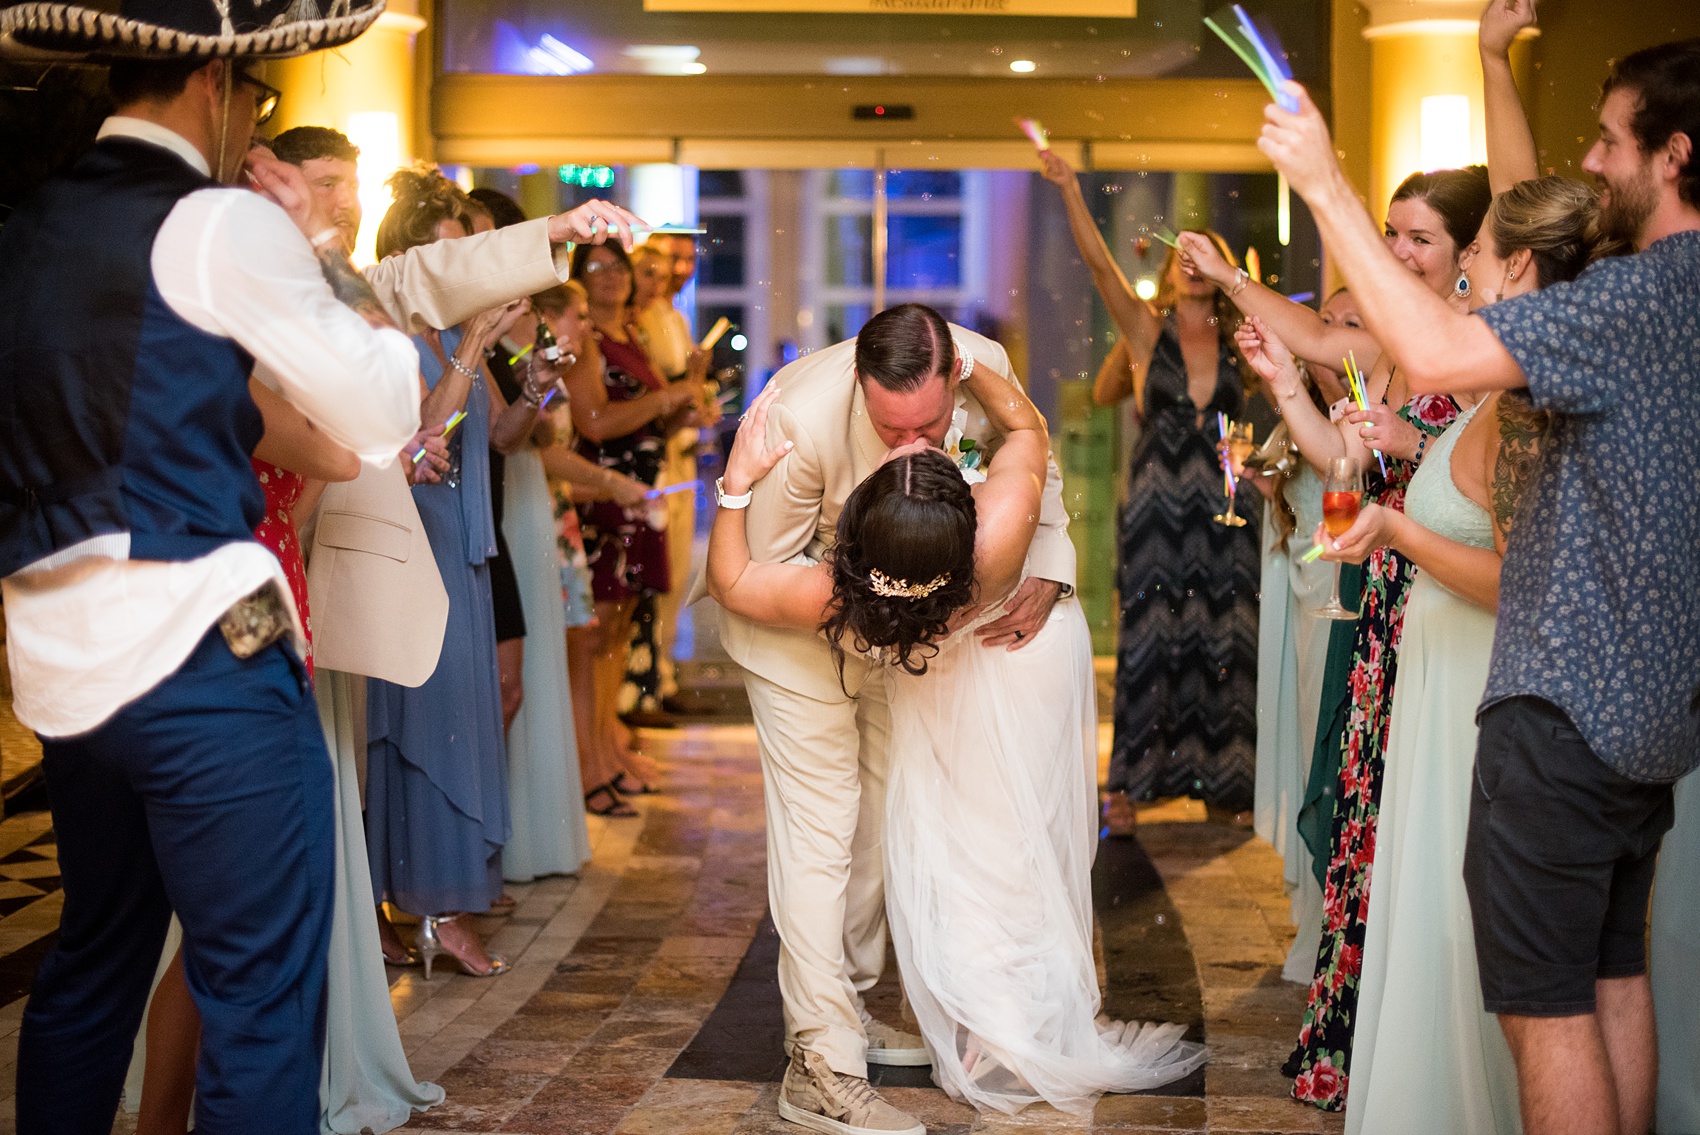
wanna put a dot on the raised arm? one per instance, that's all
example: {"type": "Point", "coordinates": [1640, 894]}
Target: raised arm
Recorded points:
{"type": "Point", "coordinates": [1115, 379]}
{"type": "Point", "coordinates": [786, 595]}
{"type": "Point", "coordinates": [1318, 439]}
{"type": "Point", "coordinates": [1133, 317]}
{"type": "Point", "coordinates": [1510, 143]}
{"type": "Point", "coordinates": [1300, 328]}
{"type": "Point", "coordinates": [1007, 503]}
{"type": "Point", "coordinates": [1437, 350]}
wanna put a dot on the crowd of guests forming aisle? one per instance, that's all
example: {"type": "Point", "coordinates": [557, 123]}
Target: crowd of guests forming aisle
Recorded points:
{"type": "Point", "coordinates": [1443, 657]}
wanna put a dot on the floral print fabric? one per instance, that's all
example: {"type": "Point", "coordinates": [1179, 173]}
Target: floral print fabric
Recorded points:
{"type": "Point", "coordinates": [277, 532]}
{"type": "Point", "coordinates": [1320, 1062]}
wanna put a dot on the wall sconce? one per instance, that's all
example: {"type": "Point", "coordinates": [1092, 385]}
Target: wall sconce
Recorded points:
{"type": "Point", "coordinates": [1445, 132]}
{"type": "Point", "coordinates": [378, 134]}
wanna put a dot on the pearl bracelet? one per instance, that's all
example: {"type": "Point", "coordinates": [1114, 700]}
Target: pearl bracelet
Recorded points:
{"type": "Point", "coordinates": [462, 367]}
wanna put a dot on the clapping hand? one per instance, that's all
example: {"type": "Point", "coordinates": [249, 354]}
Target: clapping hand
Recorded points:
{"type": "Point", "coordinates": [752, 458]}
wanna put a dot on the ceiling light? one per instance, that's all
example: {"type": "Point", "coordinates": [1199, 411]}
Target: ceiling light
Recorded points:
{"type": "Point", "coordinates": [1023, 66]}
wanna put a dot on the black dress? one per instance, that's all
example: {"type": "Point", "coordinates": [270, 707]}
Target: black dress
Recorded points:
{"type": "Point", "coordinates": [1186, 658]}
{"type": "Point", "coordinates": [504, 586]}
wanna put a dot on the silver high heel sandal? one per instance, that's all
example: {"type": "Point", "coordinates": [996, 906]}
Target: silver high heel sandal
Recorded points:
{"type": "Point", "coordinates": [431, 945]}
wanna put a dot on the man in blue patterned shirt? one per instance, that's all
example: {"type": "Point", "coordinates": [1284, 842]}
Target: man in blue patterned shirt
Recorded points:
{"type": "Point", "coordinates": [1592, 708]}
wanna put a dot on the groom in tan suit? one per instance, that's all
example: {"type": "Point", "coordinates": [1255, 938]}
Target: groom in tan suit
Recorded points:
{"type": "Point", "coordinates": [823, 740]}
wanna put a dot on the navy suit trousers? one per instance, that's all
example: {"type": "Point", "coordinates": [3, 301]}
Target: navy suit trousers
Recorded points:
{"type": "Point", "coordinates": [210, 796]}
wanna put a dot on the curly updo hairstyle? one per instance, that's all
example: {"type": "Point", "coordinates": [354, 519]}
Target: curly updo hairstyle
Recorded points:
{"type": "Point", "coordinates": [912, 521]}
{"type": "Point", "coordinates": [423, 199]}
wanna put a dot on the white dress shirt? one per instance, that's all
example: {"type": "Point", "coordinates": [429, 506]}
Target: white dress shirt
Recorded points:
{"type": "Point", "coordinates": [88, 629]}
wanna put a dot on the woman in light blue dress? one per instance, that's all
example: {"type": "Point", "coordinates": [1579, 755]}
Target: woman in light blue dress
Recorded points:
{"type": "Point", "coordinates": [1674, 960]}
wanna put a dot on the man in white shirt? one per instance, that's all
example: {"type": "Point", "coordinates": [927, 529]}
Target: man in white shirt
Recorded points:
{"type": "Point", "coordinates": [152, 642]}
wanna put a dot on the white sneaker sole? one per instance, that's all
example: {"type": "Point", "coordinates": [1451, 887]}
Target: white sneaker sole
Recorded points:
{"type": "Point", "coordinates": [815, 1122]}
{"type": "Point", "coordinates": [900, 1057]}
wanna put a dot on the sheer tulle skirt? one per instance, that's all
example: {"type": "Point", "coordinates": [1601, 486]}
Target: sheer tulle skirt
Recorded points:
{"type": "Point", "coordinates": [989, 847]}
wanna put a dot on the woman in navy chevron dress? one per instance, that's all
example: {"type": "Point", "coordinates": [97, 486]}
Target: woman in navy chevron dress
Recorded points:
{"type": "Point", "coordinates": [1186, 659]}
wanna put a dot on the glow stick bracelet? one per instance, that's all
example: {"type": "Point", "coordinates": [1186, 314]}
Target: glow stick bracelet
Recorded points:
{"type": "Point", "coordinates": [448, 428]}
{"type": "Point", "coordinates": [721, 326]}
{"type": "Point", "coordinates": [1276, 70]}
{"type": "Point", "coordinates": [682, 486]}
{"type": "Point", "coordinates": [1035, 132]}
{"type": "Point", "coordinates": [1313, 555]}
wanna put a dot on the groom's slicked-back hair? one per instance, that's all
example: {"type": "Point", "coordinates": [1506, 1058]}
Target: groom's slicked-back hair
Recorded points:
{"type": "Point", "coordinates": [903, 346]}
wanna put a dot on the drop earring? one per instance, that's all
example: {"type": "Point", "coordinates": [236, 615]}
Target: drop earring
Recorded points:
{"type": "Point", "coordinates": [1462, 287]}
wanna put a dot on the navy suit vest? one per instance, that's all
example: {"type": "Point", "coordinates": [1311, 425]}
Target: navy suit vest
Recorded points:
{"type": "Point", "coordinates": [116, 414]}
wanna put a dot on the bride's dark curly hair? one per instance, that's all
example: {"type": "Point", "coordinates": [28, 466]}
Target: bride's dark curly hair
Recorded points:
{"type": "Point", "coordinates": [911, 522]}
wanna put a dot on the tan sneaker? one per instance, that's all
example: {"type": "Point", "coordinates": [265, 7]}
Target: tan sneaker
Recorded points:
{"type": "Point", "coordinates": [892, 1047]}
{"type": "Point", "coordinates": [816, 1097]}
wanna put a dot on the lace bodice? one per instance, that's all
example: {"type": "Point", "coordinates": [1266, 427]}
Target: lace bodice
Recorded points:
{"type": "Point", "coordinates": [1434, 501]}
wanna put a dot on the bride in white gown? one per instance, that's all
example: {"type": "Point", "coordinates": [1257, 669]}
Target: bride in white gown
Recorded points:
{"type": "Point", "coordinates": [990, 800]}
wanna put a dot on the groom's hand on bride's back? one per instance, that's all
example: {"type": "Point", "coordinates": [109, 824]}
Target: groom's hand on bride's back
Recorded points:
{"type": "Point", "coordinates": [1024, 615]}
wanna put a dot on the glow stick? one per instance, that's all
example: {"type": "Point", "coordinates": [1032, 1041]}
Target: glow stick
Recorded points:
{"type": "Point", "coordinates": [1313, 555]}
{"type": "Point", "coordinates": [681, 487]}
{"type": "Point", "coordinates": [1168, 237]}
{"type": "Point", "coordinates": [667, 230]}
{"type": "Point", "coordinates": [721, 326]}
{"type": "Point", "coordinates": [1035, 132]}
{"type": "Point", "coordinates": [1246, 55]}
{"type": "Point", "coordinates": [448, 428]}
{"type": "Point", "coordinates": [1227, 450]}
{"type": "Point", "coordinates": [1275, 68]}
{"type": "Point", "coordinates": [1360, 394]}
{"type": "Point", "coordinates": [523, 351]}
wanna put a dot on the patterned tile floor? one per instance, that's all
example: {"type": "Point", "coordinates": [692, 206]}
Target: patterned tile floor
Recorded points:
{"type": "Point", "coordinates": [642, 1001]}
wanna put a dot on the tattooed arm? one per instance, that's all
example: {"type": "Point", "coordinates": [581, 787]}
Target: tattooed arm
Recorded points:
{"type": "Point", "coordinates": [349, 286]}
{"type": "Point", "coordinates": [1522, 435]}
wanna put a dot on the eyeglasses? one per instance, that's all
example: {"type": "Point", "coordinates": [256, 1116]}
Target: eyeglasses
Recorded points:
{"type": "Point", "coordinates": [265, 104]}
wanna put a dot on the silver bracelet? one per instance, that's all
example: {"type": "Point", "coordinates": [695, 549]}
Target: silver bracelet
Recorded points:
{"type": "Point", "coordinates": [462, 367]}
{"type": "Point", "coordinates": [1241, 279]}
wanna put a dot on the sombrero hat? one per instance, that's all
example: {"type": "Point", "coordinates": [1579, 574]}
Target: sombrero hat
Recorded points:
{"type": "Point", "coordinates": [184, 29]}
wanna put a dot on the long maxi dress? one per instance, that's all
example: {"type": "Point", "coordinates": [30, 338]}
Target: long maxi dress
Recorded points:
{"type": "Point", "coordinates": [1292, 649]}
{"type": "Point", "coordinates": [1674, 960]}
{"type": "Point", "coordinates": [1186, 654]}
{"type": "Point", "coordinates": [1357, 739]}
{"type": "Point", "coordinates": [544, 795]}
{"type": "Point", "coordinates": [1425, 1055]}
{"type": "Point", "coordinates": [436, 781]}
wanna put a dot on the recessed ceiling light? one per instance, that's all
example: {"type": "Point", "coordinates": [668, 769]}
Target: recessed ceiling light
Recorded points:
{"type": "Point", "coordinates": [1023, 66]}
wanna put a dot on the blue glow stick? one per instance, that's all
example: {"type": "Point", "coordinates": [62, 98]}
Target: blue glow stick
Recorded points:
{"type": "Point", "coordinates": [1276, 70]}
{"type": "Point", "coordinates": [682, 486]}
{"type": "Point", "coordinates": [1245, 53]}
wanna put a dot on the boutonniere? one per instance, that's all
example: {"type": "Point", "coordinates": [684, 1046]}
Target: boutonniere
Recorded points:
{"type": "Point", "coordinates": [964, 452]}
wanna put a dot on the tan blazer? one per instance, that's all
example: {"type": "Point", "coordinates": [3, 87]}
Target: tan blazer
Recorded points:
{"type": "Point", "coordinates": [794, 515]}
{"type": "Point", "coordinates": [379, 607]}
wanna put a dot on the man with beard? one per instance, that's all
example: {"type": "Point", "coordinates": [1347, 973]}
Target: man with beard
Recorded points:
{"type": "Point", "coordinates": [1592, 710]}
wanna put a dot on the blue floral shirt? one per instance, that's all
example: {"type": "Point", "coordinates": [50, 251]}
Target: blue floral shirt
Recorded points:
{"type": "Point", "coordinates": [1599, 601]}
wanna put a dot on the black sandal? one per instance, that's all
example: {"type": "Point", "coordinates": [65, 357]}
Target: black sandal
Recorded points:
{"type": "Point", "coordinates": [615, 808]}
{"type": "Point", "coordinates": [618, 784]}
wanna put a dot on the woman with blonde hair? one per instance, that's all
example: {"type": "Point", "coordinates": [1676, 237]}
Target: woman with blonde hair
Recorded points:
{"type": "Point", "coordinates": [1186, 660]}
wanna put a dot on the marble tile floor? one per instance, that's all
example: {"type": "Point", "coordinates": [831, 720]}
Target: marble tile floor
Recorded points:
{"type": "Point", "coordinates": [641, 1000]}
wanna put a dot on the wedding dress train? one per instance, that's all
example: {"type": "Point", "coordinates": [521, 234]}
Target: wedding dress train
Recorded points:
{"type": "Point", "coordinates": [990, 836]}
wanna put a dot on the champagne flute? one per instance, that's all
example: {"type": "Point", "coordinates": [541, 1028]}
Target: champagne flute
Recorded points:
{"type": "Point", "coordinates": [1236, 446]}
{"type": "Point", "coordinates": [1342, 496]}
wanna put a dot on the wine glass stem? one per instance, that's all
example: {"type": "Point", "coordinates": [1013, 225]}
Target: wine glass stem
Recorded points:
{"type": "Point", "coordinates": [1336, 601]}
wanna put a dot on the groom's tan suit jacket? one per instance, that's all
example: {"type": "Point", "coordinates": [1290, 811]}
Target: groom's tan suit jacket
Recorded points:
{"type": "Point", "coordinates": [378, 604]}
{"type": "Point", "coordinates": [794, 515]}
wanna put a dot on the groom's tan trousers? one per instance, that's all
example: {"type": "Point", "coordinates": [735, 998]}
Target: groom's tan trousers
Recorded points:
{"type": "Point", "coordinates": [824, 773]}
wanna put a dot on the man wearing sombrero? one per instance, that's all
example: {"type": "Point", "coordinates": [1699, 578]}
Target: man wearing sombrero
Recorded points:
{"type": "Point", "coordinates": [152, 642]}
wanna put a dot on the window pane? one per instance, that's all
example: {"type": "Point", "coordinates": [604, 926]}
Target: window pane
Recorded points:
{"type": "Point", "coordinates": [723, 355]}
{"type": "Point", "coordinates": [920, 183]}
{"type": "Point", "coordinates": [925, 252]}
{"type": "Point", "coordinates": [721, 253]}
{"type": "Point", "coordinates": [720, 183]}
{"type": "Point", "coordinates": [849, 251]}
{"type": "Point", "coordinates": [857, 183]}
{"type": "Point", "coordinates": [844, 321]}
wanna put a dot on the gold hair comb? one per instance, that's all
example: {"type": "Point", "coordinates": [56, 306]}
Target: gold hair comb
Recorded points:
{"type": "Point", "coordinates": [891, 588]}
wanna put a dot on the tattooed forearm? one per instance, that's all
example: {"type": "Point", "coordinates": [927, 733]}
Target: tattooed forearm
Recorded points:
{"type": "Point", "coordinates": [349, 286]}
{"type": "Point", "coordinates": [1522, 433]}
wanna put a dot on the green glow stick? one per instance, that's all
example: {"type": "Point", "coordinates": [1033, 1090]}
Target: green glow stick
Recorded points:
{"type": "Point", "coordinates": [1247, 57]}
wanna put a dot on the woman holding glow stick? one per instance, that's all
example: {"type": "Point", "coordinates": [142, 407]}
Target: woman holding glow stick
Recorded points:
{"type": "Point", "coordinates": [1186, 660]}
{"type": "Point", "coordinates": [1431, 229]}
{"type": "Point", "coordinates": [437, 808]}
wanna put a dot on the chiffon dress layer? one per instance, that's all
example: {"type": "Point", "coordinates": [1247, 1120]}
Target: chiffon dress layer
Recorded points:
{"type": "Point", "coordinates": [1674, 960]}
{"type": "Point", "coordinates": [436, 780]}
{"type": "Point", "coordinates": [1292, 650]}
{"type": "Point", "coordinates": [1186, 655]}
{"type": "Point", "coordinates": [1425, 1055]}
{"type": "Point", "coordinates": [626, 550]}
{"type": "Point", "coordinates": [989, 842]}
{"type": "Point", "coordinates": [544, 796]}
{"type": "Point", "coordinates": [1358, 740]}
